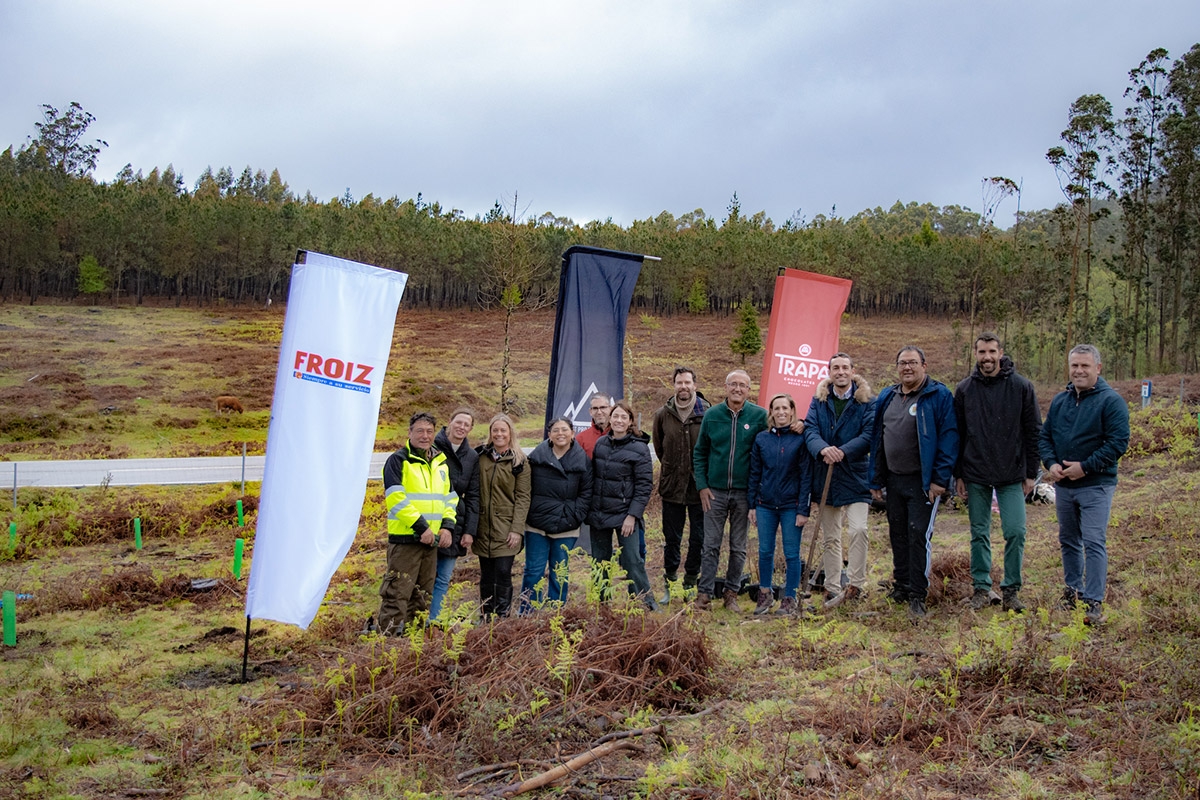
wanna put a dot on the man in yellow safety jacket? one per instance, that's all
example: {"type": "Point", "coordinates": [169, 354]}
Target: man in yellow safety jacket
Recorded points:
{"type": "Point", "coordinates": [421, 504]}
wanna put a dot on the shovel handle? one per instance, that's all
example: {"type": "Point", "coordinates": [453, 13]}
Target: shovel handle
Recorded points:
{"type": "Point", "coordinates": [816, 526]}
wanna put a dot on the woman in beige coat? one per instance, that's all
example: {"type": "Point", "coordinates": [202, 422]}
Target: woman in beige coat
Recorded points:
{"type": "Point", "coordinates": [504, 490]}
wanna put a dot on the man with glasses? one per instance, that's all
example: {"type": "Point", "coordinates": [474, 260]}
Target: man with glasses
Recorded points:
{"type": "Point", "coordinates": [914, 445]}
{"type": "Point", "coordinates": [721, 466]}
{"type": "Point", "coordinates": [599, 407]}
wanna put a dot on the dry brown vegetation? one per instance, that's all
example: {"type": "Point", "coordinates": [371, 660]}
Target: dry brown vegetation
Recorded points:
{"type": "Point", "coordinates": [125, 681]}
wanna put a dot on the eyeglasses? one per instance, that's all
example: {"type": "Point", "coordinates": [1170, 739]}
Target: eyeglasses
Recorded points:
{"type": "Point", "coordinates": [600, 408]}
{"type": "Point", "coordinates": [908, 363]}
{"type": "Point", "coordinates": [737, 385]}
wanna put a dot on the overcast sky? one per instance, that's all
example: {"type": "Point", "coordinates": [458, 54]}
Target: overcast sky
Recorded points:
{"type": "Point", "coordinates": [588, 110]}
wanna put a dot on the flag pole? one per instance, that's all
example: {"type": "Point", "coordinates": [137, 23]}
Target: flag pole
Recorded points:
{"type": "Point", "coordinates": [246, 649]}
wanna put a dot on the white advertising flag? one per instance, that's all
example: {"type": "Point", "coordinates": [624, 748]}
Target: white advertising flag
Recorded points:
{"type": "Point", "coordinates": [337, 335]}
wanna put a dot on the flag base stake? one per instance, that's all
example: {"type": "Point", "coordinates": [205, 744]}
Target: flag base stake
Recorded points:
{"type": "Point", "coordinates": [246, 649]}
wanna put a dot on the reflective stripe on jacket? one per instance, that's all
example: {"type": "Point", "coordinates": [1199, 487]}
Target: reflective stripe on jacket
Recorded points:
{"type": "Point", "coordinates": [418, 495]}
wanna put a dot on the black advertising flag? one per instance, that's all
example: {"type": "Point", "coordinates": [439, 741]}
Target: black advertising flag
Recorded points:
{"type": "Point", "coordinates": [594, 293]}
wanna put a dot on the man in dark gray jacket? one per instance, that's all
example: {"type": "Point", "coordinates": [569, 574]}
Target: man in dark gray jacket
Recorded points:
{"type": "Point", "coordinates": [998, 425]}
{"type": "Point", "coordinates": [676, 427]}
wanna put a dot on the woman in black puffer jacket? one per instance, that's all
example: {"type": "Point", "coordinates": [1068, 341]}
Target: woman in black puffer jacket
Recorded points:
{"type": "Point", "coordinates": [561, 477]}
{"type": "Point", "coordinates": [622, 480]}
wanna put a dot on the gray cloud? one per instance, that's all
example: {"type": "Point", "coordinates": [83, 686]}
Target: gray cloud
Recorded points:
{"type": "Point", "coordinates": [605, 109]}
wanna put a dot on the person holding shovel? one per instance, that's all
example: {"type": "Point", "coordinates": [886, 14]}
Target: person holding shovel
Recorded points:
{"type": "Point", "coordinates": [837, 430]}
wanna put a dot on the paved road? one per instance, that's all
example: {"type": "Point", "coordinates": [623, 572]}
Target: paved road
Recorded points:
{"type": "Point", "coordinates": [146, 471]}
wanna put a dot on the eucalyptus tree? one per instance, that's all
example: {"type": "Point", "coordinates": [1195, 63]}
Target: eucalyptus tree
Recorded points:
{"type": "Point", "coordinates": [1081, 163]}
{"type": "Point", "coordinates": [1139, 180]}
{"type": "Point", "coordinates": [61, 137]}
{"type": "Point", "coordinates": [1180, 245]}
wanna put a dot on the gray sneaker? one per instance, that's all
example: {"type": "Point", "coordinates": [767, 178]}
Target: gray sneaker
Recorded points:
{"type": "Point", "coordinates": [980, 599]}
{"type": "Point", "coordinates": [1069, 598]}
{"type": "Point", "coordinates": [1094, 614]}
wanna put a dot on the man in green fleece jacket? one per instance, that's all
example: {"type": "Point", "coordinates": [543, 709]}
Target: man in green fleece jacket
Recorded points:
{"type": "Point", "coordinates": [1085, 434]}
{"type": "Point", "coordinates": [721, 466]}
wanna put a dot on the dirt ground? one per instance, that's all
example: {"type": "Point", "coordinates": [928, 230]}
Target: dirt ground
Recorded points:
{"type": "Point", "coordinates": [126, 678]}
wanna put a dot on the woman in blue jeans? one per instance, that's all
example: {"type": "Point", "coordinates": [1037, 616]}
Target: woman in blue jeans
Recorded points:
{"type": "Point", "coordinates": [561, 475]}
{"type": "Point", "coordinates": [779, 495]}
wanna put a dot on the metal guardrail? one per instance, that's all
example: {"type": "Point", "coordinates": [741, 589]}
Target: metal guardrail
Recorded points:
{"type": "Point", "coordinates": [150, 471]}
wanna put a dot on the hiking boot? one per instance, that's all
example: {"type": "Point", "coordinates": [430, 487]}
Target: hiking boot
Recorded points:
{"type": "Point", "coordinates": [1011, 601]}
{"type": "Point", "coordinates": [916, 608]}
{"type": "Point", "coordinates": [850, 593]}
{"type": "Point", "coordinates": [731, 603]}
{"type": "Point", "coordinates": [765, 600]}
{"type": "Point", "coordinates": [979, 599]}
{"type": "Point", "coordinates": [370, 627]}
{"type": "Point", "coordinates": [1094, 614]}
{"type": "Point", "coordinates": [788, 605]}
{"type": "Point", "coordinates": [896, 595]}
{"type": "Point", "coordinates": [1069, 598]}
{"type": "Point", "coordinates": [994, 597]}
{"type": "Point", "coordinates": [703, 602]}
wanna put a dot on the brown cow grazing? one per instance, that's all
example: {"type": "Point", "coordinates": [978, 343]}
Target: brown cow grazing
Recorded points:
{"type": "Point", "coordinates": [228, 402]}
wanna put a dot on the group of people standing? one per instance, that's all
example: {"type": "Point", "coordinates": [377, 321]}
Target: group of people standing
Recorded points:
{"type": "Point", "coordinates": [986, 440]}
{"type": "Point", "coordinates": [445, 499]}
{"type": "Point", "coordinates": [728, 465]}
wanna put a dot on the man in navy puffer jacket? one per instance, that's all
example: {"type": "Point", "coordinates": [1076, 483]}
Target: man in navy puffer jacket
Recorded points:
{"type": "Point", "coordinates": [837, 430]}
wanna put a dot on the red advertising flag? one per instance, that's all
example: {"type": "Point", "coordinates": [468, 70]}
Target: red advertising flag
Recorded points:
{"type": "Point", "coordinates": [803, 334]}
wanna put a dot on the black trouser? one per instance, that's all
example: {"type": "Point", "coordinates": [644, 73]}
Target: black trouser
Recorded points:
{"type": "Point", "coordinates": [908, 513]}
{"type": "Point", "coordinates": [495, 586]}
{"type": "Point", "coordinates": [673, 517]}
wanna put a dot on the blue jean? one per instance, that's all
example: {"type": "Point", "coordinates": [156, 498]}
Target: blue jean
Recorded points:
{"type": "Point", "coordinates": [542, 551]}
{"type": "Point", "coordinates": [441, 584]}
{"type": "Point", "coordinates": [770, 520]}
{"type": "Point", "coordinates": [1082, 534]}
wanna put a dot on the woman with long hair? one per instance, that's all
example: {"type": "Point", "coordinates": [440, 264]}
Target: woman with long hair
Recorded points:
{"type": "Point", "coordinates": [778, 496]}
{"type": "Point", "coordinates": [504, 488]}
{"type": "Point", "coordinates": [622, 480]}
{"type": "Point", "coordinates": [561, 475]}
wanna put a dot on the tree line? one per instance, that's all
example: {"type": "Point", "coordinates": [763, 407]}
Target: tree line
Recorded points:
{"type": "Point", "coordinates": [1115, 263]}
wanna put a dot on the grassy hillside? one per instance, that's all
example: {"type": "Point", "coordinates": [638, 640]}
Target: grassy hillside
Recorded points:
{"type": "Point", "coordinates": [125, 682]}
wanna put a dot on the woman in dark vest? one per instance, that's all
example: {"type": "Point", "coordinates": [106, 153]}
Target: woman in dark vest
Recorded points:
{"type": "Point", "coordinates": [622, 480]}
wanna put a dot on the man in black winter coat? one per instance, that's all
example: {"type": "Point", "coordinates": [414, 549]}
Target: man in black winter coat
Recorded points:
{"type": "Point", "coordinates": [998, 425]}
